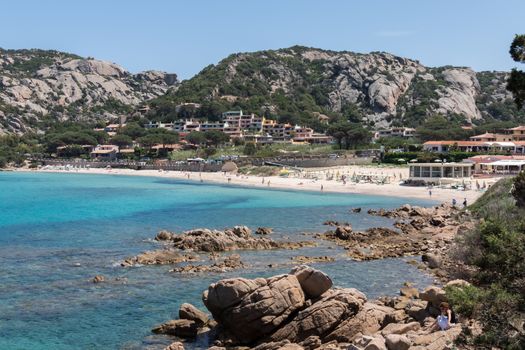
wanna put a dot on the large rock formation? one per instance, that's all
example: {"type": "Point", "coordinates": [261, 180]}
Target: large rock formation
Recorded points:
{"type": "Point", "coordinates": [236, 238]}
{"type": "Point", "coordinates": [278, 313]}
{"type": "Point", "coordinates": [251, 309]}
{"type": "Point", "coordinates": [381, 86]}
{"type": "Point", "coordinates": [36, 83]}
{"type": "Point", "coordinates": [384, 87]}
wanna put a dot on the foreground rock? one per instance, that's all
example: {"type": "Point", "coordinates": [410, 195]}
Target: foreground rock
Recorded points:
{"type": "Point", "coordinates": [313, 282]}
{"type": "Point", "coordinates": [251, 309]}
{"type": "Point", "coordinates": [175, 346]}
{"type": "Point", "coordinates": [159, 257]}
{"type": "Point", "coordinates": [236, 238]}
{"type": "Point", "coordinates": [301, 310]}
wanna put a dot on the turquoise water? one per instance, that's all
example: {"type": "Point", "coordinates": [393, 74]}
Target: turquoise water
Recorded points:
{"type": "Point", "coordinates": [59, 230]}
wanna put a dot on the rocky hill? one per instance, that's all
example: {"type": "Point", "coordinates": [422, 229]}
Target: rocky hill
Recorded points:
{"type": "Point", "coordinates": [380, 89]}
{"type": "Point", "coordinates": [38, 84]}
{"type": "Point", "coordinates": [297, 84]}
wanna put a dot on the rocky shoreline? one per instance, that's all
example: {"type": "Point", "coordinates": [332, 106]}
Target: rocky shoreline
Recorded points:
{"type": "Point", "coordinates": [302, 310]}
{"type": "Point", "coordinates": [425, 232]}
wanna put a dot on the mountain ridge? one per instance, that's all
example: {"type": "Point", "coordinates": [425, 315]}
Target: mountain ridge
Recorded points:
{"type": "Point", "coordinates": [379, 87]}
{"type": "Point", "coordinates": [295, 84]}
{"type": "Point", "coordinates": [37, 84]}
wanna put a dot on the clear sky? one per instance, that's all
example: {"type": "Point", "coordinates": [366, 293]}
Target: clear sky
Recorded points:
{"type": "Point", "coordinates": [184, 36]}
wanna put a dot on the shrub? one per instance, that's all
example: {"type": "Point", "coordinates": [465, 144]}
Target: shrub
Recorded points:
{"type": "Point", "coordinates": [518, 189]}
{"type": "Point", "coordinates": [467, 300]}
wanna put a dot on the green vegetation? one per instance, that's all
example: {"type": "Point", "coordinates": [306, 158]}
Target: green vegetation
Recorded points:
{"type": "Point", "coordinates": [439, 127]}
{"type": "Point", "coordinates": [496, 249]}
{"type": "Point", "coordinates": [67, 134]}
{"type": "Point", "coordinates": [516, 80]}
{"type": "Point", "coordinates": [13, 148]}
{"type": "Point", "coordinates": [349, 134]}
{"type": "Point", "coordinates": [28, 62]}
{"type": "Point", "coordinates": [518, 190]}
{"type": "Point", "coordinates": [251, 88]}
{"type": "Point", "coordinates": [259, 170]}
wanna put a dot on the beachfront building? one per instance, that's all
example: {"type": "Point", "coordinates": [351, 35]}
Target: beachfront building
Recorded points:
{"type": "Point", "coordinates": [105, 152]}
{"type": "Point", "coordinates": [259, 139]}
{"type": "Point", "coordinates": [440, 172]}
{"type": "Point", "coordinates": [402, 132]}
{"type": "Point", "coordinates": [516, 134]}
{"type": "Point", "coordinates": [506, 147]}
{"type": "Point", "coordinates": [250, 127]}
{"type": "Point", "coordinates": [496, 164]}
{"type": "Point", "coordinates": [504, 167]}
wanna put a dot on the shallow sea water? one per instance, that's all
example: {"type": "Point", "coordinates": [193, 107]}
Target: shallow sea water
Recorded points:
{"type": "Point", "coordinates": [57, 231]}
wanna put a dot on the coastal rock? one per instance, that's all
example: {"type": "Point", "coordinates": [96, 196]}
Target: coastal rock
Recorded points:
{"type": "Point", "coordinates": [397, 342]}
{"type": "Point", "coordinates": [432, 260]}
{"type": "Point", "coordinates": [365, 342]}
{"type": "Point", "coordinates": [98, 279]}
{"type": "Point", "coordinates": [442, 340]}
{"type": "Point", "coordinates": [322, 316]}
{"type": "Point", "coordinates": [343, 232]}
{"type": "Point", "coordinates": [175, 346]}
{"type": "Point", "coordinates": [457, 283]}
{"type": "Point", "coordinates": [282, 345]}
{"type": "Point", "coordinates": [236, 238]}
{"type": "Point", "coordinates": [313, 282]}
{"type": "Point", "coordinates": [159, 257]}
{"type": "Point", "coordinates": [369, 320]}
{"type": "Point", "coordinates": [251, 309]}
{"type": "Point", "coordinates": [179, 328]}
{"type": "Point", "coordinates": [190, 312]}
{"type": "Point", "coordinates": [229, 263]}
{"type": "Point", "coordinates": [263, 231]}
{"type": "Point", "coordinates": [356, 210]}
{"type": "Point", "coordinates": [163, 236]}
{"type": "Point", "coordinates": [409, 292]}
{"type": "Point", "coordinates": [400, 328]}
{"type": "Point", "coordinates": [312, 259]}
{"type": "Point", "coordinates": [434, 295]}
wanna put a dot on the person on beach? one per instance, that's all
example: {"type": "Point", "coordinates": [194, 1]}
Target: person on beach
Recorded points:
{"type": "Point", "coordinates": [268, 183]}
{"type": "Point", "coordinates": [229, 179]}
{"type": "Point", "coordinates": [465, 203]}
{"type": "Point", "coordinates": [430, 193]}
{"type": "Point", "coordinates": [454, 202]}
{"type": "Point", "coordinates": [322, 188]}
{"type": "Point", "coordinates": [446, 319]}
{"type": "Point", "coordinates": [262, 181]}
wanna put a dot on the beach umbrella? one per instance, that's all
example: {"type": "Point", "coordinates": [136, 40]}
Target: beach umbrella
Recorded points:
{"type": "Point", "coordinates": [229, 167]}
{"type": "Point", "coordinates": [413, 161]}
{"type": "Point", "coordinates": [401, 160]}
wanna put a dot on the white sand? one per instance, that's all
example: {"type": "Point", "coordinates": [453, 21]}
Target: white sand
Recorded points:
{"type": "Point", "coordinates": [290, 183]}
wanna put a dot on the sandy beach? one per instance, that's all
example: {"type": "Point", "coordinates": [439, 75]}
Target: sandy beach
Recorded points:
{"type": "Point", "coordinates": [304, 184]}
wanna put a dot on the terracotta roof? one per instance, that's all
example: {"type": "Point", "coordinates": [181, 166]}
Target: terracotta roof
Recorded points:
{"type": "Point", "coordinates": [459, 143]}
{"type": "Point", "coordinates": [518, 128]}
{"type": "Point", "coordinates": [104, 151]}
{"type": "Point", "coordinates": [485, 135]}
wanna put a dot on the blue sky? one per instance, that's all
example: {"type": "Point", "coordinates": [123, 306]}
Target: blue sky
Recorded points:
{"type": "Point", "coordinates": [183, 36]}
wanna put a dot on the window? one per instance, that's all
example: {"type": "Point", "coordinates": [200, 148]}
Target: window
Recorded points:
{"type": "Point", "coordinates": [425, 171]}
